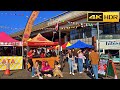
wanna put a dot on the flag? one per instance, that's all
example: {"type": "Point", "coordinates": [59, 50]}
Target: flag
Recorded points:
{"type": "Point", "coordinates": [56, 27]}
{"type": "Point", "coordinates": [28, 28]}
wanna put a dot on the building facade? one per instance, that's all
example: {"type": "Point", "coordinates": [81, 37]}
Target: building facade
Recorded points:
{"type": "Point", "coordinates": [109, 32]}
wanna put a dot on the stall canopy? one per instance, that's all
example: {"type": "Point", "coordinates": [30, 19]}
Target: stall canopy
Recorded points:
{"type": "Point", "coordinates": [39, 40]}
{"type": "Point", "coordinates": [6, 40]}
{"type": "Point", "coordinates": [67, 44]}
{"type": "Point", "coordinates": [64, 46]}
{"type": "Point", "coordinates": [80, 44]}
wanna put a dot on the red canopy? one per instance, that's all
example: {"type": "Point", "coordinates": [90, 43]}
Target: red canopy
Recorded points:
{"type": "Point", "coordinates": [5, 39]}
{"type": "Point", "coordinates": [65, 45]}
{"type": "Point", "coordinates": [39, 40]}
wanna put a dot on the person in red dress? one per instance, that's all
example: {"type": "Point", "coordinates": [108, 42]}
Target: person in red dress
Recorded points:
{"type": "Point", "coordinates": [30, 55]}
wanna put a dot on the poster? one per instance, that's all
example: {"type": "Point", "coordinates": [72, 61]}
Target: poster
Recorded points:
{"type": "Point", "coordinates": [102, 67]}
{"type": "Point", "coordinates": [16, 62]}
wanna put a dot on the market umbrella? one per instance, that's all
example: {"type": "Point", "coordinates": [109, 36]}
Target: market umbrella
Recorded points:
{"type": "Point", "coordinates": [80, 44]}
{"type": "Point", "coordinates": [29, 39]}
{"type": "Point", "coordinates": [67, 44]}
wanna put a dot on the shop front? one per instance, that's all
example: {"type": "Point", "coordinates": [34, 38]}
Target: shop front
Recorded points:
{"type": "Point", "coordinates": [111, 46]}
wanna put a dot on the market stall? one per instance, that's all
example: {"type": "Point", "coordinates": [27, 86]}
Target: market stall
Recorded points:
{"type": "Point", "coordinates": [40, 41]}
{"type": "Point", "coordinates": [80, 44]}
{"type": "Point", "coordinates": [10, 49]}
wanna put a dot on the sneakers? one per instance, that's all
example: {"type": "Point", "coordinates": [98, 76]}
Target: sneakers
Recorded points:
{"type": "Point", "coordinates": [87, 69]}
{"type": "Point", "coordinates": [40, 77]}
{"type": "Point", "coordinates": [80, 72]}
{"type": "Point", "coordinates": [70, 73]}
{"type": "Point", "coordinates": [33, 76]}
{"type": "Point", "coordinates": [73, 74]}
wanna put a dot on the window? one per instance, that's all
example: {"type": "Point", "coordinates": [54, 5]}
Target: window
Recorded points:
{"type": "Point", "coordinates": [78, 33]}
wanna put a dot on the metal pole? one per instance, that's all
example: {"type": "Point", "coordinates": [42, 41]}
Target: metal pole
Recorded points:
{"type": "Point", "coordinates": [98, 37]}
{"type": "Point", "coordinates": [60, 53]}
{"type": "Point", "coordinates": [59, 41]}
{"type": "Point", "coordinates": [22, 54]}
{"type": "Point", "coordinates": [27, 57]}
{"type": "Point", "coordinates": [53, 36]}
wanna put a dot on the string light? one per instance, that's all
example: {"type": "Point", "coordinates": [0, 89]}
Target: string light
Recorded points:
{"type": "Point", "coordinates": [5, 27]}
{"type": "Point", "coordinates": [70, 27]}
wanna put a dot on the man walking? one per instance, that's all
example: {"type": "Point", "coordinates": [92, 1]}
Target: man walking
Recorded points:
{"type": "Point", "coordinates": [94, 57]}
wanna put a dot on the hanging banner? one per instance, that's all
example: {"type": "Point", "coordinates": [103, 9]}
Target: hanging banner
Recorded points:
{"type": "Point", "coordinates": [28, 28]}
{"type": "Point", "coordinates": [16, 62]}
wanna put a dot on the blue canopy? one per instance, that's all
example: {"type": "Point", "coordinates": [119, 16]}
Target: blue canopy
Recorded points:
{"type": "Point", "coordinates": [80, 44]}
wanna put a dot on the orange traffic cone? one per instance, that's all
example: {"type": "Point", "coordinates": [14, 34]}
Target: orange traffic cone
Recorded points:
{"type": "Point", "coordinates": [7, 71]}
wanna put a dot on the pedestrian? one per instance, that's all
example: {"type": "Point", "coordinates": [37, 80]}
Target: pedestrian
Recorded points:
{"type": "Point", "coordinates": [57, 71]}
{"type": "Point", "coordinates": [81, 58]}
{"type": "Point", "coordinates": [71, 62]}
{"type": "Point", "coordinates": [94, 58]}
{"type": "Point", "coordinates": [86, 54]}
{"type": "Point", "coordinates": [75, 55]}
{"type": "Point", "coordinates": [36, 69]}
{"type": "Point", "coordinates": [29, 56]}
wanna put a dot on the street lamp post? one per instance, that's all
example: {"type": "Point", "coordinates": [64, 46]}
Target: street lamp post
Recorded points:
{"type": "Point", "coordinates": [98, 37]}
{"type": "Point", "coordinates": [60, 51]}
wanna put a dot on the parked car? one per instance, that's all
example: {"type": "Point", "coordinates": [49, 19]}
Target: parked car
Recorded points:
{"type": "Point", "coordinates": [105, 56]}
{"type": "Point", "coordinates": [115, 59]}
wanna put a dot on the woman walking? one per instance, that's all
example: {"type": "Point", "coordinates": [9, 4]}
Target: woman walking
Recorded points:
{"type": "Point", "coordinates": [71, 62]}
{"type": "Point", "coordinates": [80, 61]}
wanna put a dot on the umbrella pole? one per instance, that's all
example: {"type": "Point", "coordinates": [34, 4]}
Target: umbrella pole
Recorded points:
{"type": "Point", "coordinates": [27, 57]}
{"type": "Point", "coordinates": [60, 51]}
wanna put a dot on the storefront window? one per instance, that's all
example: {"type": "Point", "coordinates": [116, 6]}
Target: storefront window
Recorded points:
{"type": "Point", "coordinates": [80, 33]}
{"type": "Point", "coordinates": [118, 28]}
{"type": "Point", "coordinates": [111, 28]}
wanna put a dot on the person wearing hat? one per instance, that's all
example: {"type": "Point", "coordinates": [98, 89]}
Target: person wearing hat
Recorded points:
{"type": "Point", "coordinates": [80, 61]}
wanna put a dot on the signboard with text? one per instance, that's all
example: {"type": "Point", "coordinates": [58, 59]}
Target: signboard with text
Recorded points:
{"type": "Point", "coordinates": [103, 17]}
{"type": "Point", "coordinates": [15, 62]}
{"type": "Point", "coordinates": [110, 44]}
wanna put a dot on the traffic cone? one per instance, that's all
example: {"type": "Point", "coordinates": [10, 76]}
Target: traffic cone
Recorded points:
{"type": "Point", "coordinates": [7, 71]}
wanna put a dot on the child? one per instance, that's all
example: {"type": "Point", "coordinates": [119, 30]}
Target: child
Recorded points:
{"type": "Point", "coordinates": [57, 71]}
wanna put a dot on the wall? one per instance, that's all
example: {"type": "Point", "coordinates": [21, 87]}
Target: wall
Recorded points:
{"type": "Point", "coordinates": [112, 44]}
{"type": "Point", "coordinates": [62, 41]}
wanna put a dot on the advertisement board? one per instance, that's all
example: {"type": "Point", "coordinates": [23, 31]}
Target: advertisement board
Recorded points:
{"type": "Point", "coordinates": [16, 62]}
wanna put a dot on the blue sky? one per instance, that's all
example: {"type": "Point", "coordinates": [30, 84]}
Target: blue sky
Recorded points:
{"type": "Point", "coordinates": [13, 21]}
